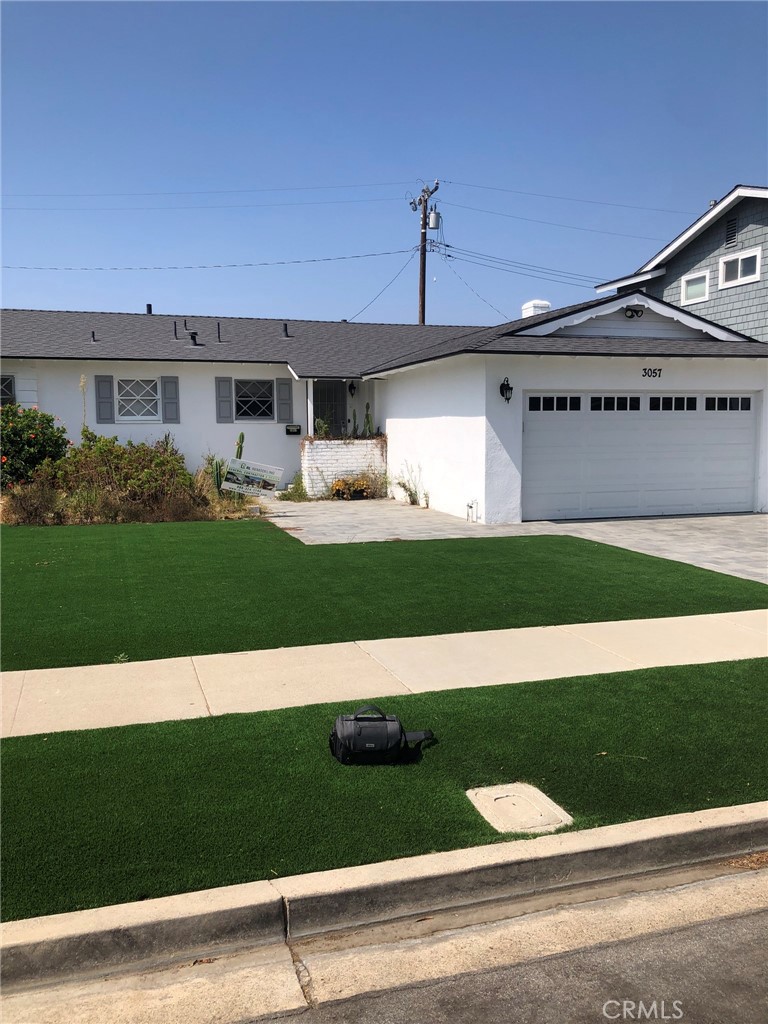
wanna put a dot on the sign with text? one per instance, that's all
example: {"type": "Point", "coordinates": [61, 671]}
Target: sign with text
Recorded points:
{"type": "Point", "coordinates": [251, 477]}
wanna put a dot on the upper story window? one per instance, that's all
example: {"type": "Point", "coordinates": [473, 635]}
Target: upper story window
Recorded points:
{"type": "Point", "coordinates": [741, 268]}
{"type": "Point", "coordinates": [138, 399]}
{"type": "Point", "coordinates": [7, 388]}
{"type": "Point", "coordinates": [694, 288]}
{"type": "Point", "coordinates": [254, 400]}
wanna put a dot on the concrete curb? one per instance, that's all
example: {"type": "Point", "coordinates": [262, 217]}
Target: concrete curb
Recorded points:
{"type": "Point", "coordinates": [260, 913]}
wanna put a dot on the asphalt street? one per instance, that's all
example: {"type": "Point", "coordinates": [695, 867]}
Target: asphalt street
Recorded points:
{"type": "Point", "coordinates": [711, 973]}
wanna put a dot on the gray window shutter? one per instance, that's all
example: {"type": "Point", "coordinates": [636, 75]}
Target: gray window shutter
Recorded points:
{"type": "Point", "coordinates": [284, 389]}
{"type": "Point", "coordinates": [105, 399]}
{"type": "Point", "coordinates": [169, 394]}
{"type": "Point", "coordinates": [225, 405]}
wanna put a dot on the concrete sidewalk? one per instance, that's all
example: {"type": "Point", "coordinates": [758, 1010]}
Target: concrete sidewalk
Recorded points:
{"type": "Point", "coordinates": [97, 696]}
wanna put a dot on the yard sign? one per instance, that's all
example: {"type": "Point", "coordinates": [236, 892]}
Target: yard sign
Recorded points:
{"type": "Point", "coordinates": [251, 477]}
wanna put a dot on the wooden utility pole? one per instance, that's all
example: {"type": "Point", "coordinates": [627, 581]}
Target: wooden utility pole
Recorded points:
{"type": "Point", "coordinates": [422, 201]}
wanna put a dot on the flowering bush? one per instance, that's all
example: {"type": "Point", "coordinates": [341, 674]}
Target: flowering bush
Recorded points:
{"type": "Point", "coordinates": [27, 438]}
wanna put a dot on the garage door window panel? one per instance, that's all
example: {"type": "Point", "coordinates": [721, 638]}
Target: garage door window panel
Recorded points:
{"type": "Point", "coordinates": [554, 403]}
{"type": "Point", "coordinates": [728, 403]}
{"type": "Point", "coordinates": [614, 403]}
{"type": "Point", "coordinates": [673, 403]}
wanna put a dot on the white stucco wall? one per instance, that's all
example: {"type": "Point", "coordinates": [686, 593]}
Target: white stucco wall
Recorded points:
{"type": "Point", "coordinates": [434, 418]}
{"type": "Point", "coordinates": [54, 385]}
{"type": "Point", "coordinates": [505, 472]}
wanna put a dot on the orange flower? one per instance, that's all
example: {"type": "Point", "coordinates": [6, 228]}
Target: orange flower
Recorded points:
{"type": "Point", "coordinates": [31, 435]}
{"type": "Point", "coordinates": [4, 458]}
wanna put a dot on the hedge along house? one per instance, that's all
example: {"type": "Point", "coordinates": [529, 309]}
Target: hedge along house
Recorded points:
{"type": "Point", "coordinates": [619, 406]}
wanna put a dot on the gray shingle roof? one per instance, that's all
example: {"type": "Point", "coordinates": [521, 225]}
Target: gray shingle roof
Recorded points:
{"type": "Point", "coordinates": [314, 348]}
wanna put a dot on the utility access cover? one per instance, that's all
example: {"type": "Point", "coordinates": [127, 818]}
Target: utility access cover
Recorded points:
{"type": "Point", "coordinates": [518, 807]}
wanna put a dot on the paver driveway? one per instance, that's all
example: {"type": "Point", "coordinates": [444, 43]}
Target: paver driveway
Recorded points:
{"type": "Point", "coordinates": [733, 544]}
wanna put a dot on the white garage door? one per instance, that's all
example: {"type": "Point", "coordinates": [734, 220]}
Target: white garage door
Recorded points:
{"type": "Point", "coordinates": [592, 455]}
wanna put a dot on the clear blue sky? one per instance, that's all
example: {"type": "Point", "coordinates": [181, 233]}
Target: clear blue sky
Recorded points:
{"type": "Point", "coordinates": [651, 105]}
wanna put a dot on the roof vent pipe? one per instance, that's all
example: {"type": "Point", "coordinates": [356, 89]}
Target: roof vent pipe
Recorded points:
{"type": "Point", "coordinates": [712, 203]}
{"type": "Point", "coordinates": [285, 331]}
{"type": "Point", "coordinates": [535, 307]}
{"type": "Point", "coordinates": [193, 336]}
{"type": "Point", "coordinates": [149, 308]}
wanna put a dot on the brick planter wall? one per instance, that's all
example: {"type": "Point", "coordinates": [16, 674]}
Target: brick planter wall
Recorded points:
{"type": "Point", "coordinates": [322, 462]}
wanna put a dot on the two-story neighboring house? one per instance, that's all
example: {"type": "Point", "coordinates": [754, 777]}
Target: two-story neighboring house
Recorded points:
{"type": "Point", "coordinates": [717, 268]}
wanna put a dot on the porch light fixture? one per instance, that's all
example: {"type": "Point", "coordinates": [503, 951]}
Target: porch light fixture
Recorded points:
{"type": "Point", "coordinates": [352, 389]}
{"type": "Point", "coordinates": [505, 389]}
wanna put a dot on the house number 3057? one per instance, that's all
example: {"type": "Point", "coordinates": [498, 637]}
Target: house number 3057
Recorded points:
{"type": "Point", "coordinates": [651, 373]}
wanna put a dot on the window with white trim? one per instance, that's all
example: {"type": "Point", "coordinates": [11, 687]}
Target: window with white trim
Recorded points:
{"type": "Point", "coordinates": [138, 399]}
{"type": "Point", "coordinates": [741, 268]}
{"type": "Point", "coordinates": [7, 388]}
{"type": "Point", "coordinates": [254, 399]}
{"type": "Point", "coordinates": [694, 288]}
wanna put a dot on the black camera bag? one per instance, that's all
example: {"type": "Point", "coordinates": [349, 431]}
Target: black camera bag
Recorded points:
{"type": "Point", "coordinates": [370, 736]}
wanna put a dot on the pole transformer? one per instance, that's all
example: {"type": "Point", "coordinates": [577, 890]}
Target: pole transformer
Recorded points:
{"type": "Point", "coordinates": [422, 201]}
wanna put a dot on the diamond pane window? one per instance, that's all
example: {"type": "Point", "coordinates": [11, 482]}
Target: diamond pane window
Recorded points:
{"type": "Point", "coordinates": [138, 400]}
{"type": "Point", "coordinates": [7, 389]}
{"type": "Point", "coordinates": [254, 400]}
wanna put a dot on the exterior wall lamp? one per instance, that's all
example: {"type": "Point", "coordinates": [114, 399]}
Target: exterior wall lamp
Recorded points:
{"type": "Point", "coordinates": [633, 311]}
{"type": "Point", "coordinates": [506, 389]}
{"type": "Point", "coordinates": [352, 389]}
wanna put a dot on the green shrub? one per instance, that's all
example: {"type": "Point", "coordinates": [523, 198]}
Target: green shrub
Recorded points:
{"type": "Point", "coordinates": [296, 491]}
{"type": "Point", "coordinates": [102, 481]}
{"type": "Point", "coordinates": [27, 437]}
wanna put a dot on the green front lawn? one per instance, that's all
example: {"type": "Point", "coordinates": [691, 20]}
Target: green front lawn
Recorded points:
{"type": "Point", "coordinates": [113, 815]}
{"type": "Point", "coordinates": [81, 595]}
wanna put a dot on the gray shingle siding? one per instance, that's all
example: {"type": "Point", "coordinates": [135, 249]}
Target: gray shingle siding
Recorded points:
{"type": "Point", "coordinates": [743, 308]}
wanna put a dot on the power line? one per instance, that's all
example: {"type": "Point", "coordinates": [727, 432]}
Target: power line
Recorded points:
{"type": "Point", "coordinates": [201, 192]}
{"type": "Point", "coordinates": [555, 224]}
{"type": "Point", "coordinates": [453, 270]}
{"type": "Point", "coordinates": [211, 206]}
{"type": "Point", "coordinates": [407, 262]}
{"type": "Point", "coordinates": [570, 199]}
{"type": "Point", "coordinates": [222, 266]}
{"type": "Point", "coordinates": [521, 273]}
{"type": "Point", "coordinates": [525, 266]}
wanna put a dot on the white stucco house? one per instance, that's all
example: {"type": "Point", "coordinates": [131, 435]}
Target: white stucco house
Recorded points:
{"type": "Point", "coordinates": [620, 406]}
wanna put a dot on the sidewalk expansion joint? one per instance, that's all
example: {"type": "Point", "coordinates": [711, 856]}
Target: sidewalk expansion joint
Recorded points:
{"type": "Point", "coordinates": [600, 647]}
{"type": "Point", "coordinates": [18, 702]}
{"type": "Point", "coordinates": [200, 684]}
{"type": "Point", "coordinates": [386, 668]}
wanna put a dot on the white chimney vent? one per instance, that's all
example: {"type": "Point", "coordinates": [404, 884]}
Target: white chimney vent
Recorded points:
{"type": "Point", "coordinates": [536, 306]}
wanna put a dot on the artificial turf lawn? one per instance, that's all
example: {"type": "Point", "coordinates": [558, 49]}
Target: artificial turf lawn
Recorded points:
{"type": "Point", "coordinates": [82, 595]}
{"type": "Point", "coordinates": [113, 815]}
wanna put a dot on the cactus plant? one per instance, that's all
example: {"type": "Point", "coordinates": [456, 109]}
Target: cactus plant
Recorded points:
{"type": "Point", "coordinates": [354, 423]}
{"type": "Point", "coordinates": [217, 475]}
{"type": "Point", "coordinates": [368, 421]}
{"type": "Point", "coordinates": [240, 443]}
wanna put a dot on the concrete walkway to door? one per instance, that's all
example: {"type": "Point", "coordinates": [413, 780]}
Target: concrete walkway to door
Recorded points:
{"type": "Point", "coordinates": [733, 544]}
